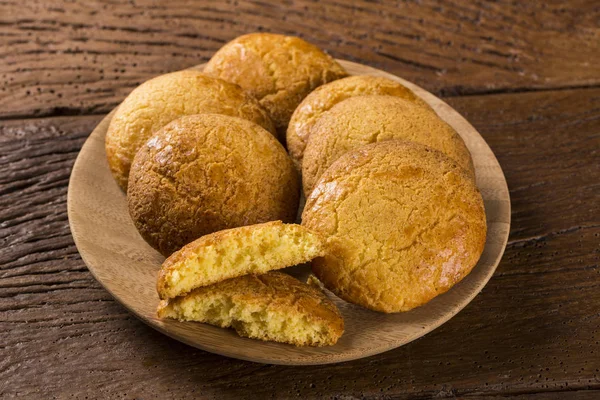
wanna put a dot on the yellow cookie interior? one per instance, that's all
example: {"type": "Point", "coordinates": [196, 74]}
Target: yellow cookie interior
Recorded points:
{"type": "Point", "coordinates": [273, 307]}
{"type": "Point", "coordinates": [253, 249]}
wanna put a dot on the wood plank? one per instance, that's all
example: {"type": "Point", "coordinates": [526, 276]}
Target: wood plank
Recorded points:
{"type": "Point", "coordinates": [84, 57]}
{"type": "Point", "coordinates": [533, 136]}
{"type": "Point", "coordinates": [534, 331]}
{"type": "Point", "coordinates": [548, 395]}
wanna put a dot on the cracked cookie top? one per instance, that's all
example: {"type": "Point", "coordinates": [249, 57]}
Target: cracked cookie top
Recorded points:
{"type": "Point", "coordinates": [160, 100]}
{"type": "Point", "coordinates": [279, 70]}
{"type": "Point", "coordinates": [322, 99]}
{"type": "Point", "coordinates": [402, 221]}
{"type": "Point", "coordinates": [361, 120]}
{"type": "Point", "coordinates": [205, 173]}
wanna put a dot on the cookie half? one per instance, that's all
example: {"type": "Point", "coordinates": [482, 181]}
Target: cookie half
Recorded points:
{"type": "Point", "coordinates": [272, 306]}
{"type": "Point", "coordinates": [253, 249]}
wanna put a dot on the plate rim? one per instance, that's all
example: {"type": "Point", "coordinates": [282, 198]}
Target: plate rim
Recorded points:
{"type": "Point", "coordinates": [313, 360]}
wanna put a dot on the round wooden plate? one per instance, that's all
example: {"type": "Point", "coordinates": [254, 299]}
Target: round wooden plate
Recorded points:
{"type": "Point", "coordinates": [126, 266]}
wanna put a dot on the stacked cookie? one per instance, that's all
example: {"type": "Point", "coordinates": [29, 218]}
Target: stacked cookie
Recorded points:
{"type": "Point", "coordinates": [223, 279]}
{"type": "Point", "coordinates": [393, 216]}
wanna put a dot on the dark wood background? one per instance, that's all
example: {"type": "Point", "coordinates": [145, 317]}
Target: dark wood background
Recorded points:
{"type": "Point", "coordinates": [526, 74]}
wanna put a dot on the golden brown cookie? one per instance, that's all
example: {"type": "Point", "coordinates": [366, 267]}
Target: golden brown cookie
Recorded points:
{"type": "Point", "coordinates": [279, 70]}
{"type": "Point", "coordinates": [273, 306]}
{"type": "Point", "coordinates": [325, 97]}
{"type": "Point", "coordinates": [252, 249]}
{"type": "Point", "coordinates": [205, 173]}
{"type": "Point", "coordinates": [357, 121]}
{"type": "Point", "coordinates": [159, 101]}
{"type": "Point", "coordinates": [403, 224]}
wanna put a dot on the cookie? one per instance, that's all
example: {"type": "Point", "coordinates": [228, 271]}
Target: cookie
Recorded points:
{"type": "Point", "coordinates": [403, 224]}
{"type": "Point", "coordinates": [205, 173]}
{"type": "Point", "coordinates": [159, 101]}
{"type": "Point", "coordinates": [325, 97]}
{"type": "Point", "coordinates": [357, 121]}
{"type": "Point", "coordinates": [252, 249]}
{"type": "Point", "coordinates": [272, 306]}
{"type": "Point", "coordinates": [279, 70]}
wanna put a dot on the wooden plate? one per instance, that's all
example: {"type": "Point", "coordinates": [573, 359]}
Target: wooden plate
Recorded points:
{"type": "Point", "coordinates": [126, 266]}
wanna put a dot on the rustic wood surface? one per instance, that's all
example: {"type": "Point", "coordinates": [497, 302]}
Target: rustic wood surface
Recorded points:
{"type": "Point", "coordinates": [526, 75]}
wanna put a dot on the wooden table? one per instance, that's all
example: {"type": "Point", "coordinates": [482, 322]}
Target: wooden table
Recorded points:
{"type": "Point", "coordinates": [526, 75]}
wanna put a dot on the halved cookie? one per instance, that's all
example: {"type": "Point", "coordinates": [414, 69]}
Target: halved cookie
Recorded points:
{"type": "Point", "coordinates": [272, 306]}
{"type": "Point", "coordinates": [253, 249]}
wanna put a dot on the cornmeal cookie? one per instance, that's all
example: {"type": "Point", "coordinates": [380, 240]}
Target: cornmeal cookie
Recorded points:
{"type": "Point", "coordinates": [403, 224]}
{"type": "Point", "coordinates": [325, 97]}
{"type": "Point", "coordinates": [366, 119]}
{"type": "Point", "coordinates": [159, 101]}
{"type": "Point", "coordinates": [252, 249]}
{"type": "Point", "coordinates": [273, 306]}
{"type": "Point", "coordinates": [279, 70]}
{"type": "Point", "coordinates": [205, 173]}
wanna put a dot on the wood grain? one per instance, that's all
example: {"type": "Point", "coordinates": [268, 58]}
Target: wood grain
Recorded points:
{"type": "Point", "coordinates": [532, 332]}
{"type": "Point", "coordinates": [71, 58]}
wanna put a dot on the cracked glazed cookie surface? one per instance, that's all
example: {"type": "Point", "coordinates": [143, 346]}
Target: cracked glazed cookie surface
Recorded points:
{"type": "Point", "coordinates": [279, 70]}
{"type": "Point", "coordinates": [160, 100]}
{"type": "Point", "coordinates": [273, 306]}
{"type": "Point", "coordinates": [361, 120]}
{"type": "Point", "coordinates": [325, 97]}
{"type": "Point", "coordinates": [403, 224]}
{"type": "Point", "coordinates": [205, 173]}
